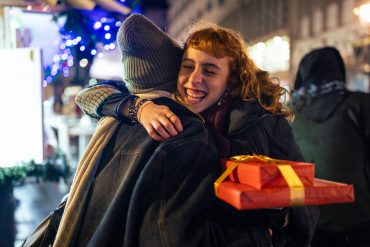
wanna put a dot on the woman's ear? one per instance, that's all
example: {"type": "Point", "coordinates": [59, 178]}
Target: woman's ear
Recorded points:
{"type": "Point", "coordinates": [232, 86]}
{"type": "Point", "coordinates": [224, 96]}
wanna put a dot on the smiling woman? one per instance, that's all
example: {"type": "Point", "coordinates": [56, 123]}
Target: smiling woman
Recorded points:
{"type": "Point", "coordinates": [202, 79]}
{"type": "Point", "coordinates": [215, 69]}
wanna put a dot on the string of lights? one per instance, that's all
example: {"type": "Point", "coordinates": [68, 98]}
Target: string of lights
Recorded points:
{"type": "Point", "coordinates": [84, 35]}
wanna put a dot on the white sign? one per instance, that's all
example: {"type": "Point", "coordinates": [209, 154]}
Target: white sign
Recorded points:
{"type": "Point", "coordinates": [21, 125]}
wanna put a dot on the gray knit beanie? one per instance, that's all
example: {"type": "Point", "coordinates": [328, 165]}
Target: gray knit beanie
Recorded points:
{"type": "Point", "coordinates": [151, 58]}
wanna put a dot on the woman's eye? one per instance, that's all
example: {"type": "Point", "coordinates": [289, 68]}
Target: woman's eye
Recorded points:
{"type": "Point", "coordinates": [209, 72]}
{"type": "Point", "coordinates": [187, 67]}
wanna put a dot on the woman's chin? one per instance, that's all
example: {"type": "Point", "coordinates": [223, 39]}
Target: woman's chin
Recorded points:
{"type": "Point", "coordinates": [194, 105]}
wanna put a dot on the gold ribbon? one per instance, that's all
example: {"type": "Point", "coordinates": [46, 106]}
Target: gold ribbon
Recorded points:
{"type": "Point", "coordinates": [295, 184]}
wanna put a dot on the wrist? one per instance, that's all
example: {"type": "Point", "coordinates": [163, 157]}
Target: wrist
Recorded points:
{"type": "Point", "coordinates": [134, 108]}
{"type": "Point", "coordinates": [147, 102]}
{"type": "Point", "coordinates": [131, 112]}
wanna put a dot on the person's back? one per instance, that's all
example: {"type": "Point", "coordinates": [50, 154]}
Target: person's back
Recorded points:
{"type": "Point", "coordinates": [332, 127]}
{"type": "Point", "coordinates": [142, 185]}
{"type": "Point", "coordinates": [149, 193]}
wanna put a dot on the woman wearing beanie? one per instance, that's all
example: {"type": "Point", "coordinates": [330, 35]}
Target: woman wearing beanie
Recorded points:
{"type": "Point", "coordinates": [237, 100]}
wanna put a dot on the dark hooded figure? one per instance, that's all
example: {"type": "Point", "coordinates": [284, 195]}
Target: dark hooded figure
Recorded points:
{"type": "Point", "coordinates": [332, 127]}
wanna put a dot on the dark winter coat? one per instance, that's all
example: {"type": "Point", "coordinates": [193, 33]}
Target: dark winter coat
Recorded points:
{"type": "Point", "coordinates": [251, 130]}
{"type": "Point", "coordinates": [149, 193]}
{"type": "Point", "coordinates": [332, 127]}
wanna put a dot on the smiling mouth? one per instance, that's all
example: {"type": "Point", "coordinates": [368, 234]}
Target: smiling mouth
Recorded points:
{"type": "Point", "coordinates": [194, 96]}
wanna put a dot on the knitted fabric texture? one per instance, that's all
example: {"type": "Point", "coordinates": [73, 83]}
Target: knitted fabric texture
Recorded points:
{"type": "Point", "coordinates": [91, 99]}
{"type": "Point", "coordinates": [82, 180]}
{"type": "Point", "coordinates": [151, 58]}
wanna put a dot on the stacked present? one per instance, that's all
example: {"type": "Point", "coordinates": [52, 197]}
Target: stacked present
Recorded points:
{"type": "Point", "coordinates": [255, 182]}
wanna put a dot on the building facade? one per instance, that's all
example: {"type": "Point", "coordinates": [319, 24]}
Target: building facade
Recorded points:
{"type": "Point", "coordinates": [280, 32]}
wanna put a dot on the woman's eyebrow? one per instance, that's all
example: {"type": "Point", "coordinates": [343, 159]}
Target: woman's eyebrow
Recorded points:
{"type": "Point", "coordinates": [211, 65]}
{"type": "Point", "coordinates": [205, 64]}
{"type": "Point", "coordinates": [187, 59]}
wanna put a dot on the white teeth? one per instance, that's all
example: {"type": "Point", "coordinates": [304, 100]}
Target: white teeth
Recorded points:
{"type": "Point", "coordinates": [195, 93]}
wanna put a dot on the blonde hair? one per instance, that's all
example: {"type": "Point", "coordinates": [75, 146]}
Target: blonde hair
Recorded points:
{"type": "Point", "coordinates": [246, 80]}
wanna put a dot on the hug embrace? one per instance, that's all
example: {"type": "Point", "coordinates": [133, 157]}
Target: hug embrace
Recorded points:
{"type": "Point", "coordinates": [146, 178]}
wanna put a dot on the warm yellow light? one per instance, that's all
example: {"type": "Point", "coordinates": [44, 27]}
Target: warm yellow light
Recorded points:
{"type": "Point", "coordinates": [364, 12]}
{"type": "Point", "coordinates": [83, 62]}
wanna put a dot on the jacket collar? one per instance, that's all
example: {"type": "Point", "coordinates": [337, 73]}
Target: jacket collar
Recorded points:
{"type": "Point", "coordinates": [244, 114]}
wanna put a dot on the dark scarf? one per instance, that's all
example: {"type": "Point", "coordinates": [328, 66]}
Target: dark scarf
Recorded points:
{"type": "Point", "coordinates": [215, 118]}
{"type": "Point", "coordinates": [305, 95]}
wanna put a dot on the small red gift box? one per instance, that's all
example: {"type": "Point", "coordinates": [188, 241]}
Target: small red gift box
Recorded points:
{"type": "Point", "coordinates": [246, 197]}
{"type": "Point", "coordinates": [262, 172]}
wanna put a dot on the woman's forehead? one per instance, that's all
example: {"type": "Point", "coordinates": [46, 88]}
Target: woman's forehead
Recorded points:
{"type": "Point", "coordinates": [205, 60]}
{"type": "Point", "coordinates": [198, 54]}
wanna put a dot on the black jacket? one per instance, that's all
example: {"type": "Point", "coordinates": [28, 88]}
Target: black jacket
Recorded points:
{"type": "Point", "coordinates": [332, 127]}
{"type": "Point", "coordinates": [148, 193]}
{"type": "Point", "coordinates": [253, 130]}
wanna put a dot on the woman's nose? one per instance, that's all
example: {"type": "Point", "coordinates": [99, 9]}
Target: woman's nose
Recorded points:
{"type": "Point", "coordinates": [196, 77]}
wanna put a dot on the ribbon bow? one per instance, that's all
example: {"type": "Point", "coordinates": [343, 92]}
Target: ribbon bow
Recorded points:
{"type": "Point", "coordinates": [294, 182]}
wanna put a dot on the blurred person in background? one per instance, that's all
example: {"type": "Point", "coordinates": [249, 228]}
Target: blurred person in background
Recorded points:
{"type": "Point", "coordinates": [332, 127]}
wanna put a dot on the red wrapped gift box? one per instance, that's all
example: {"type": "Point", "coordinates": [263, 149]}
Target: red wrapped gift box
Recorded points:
{"type": "Point", "coordinates": [246, 197]}
{"type": "Point", "coordinates": [262, 172]}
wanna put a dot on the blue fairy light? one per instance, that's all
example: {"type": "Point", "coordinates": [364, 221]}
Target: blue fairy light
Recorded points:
{"type": "Point", "coordinates": [97, 25]}
{"type": "Point", "coordinates": [53, 72]}
{"type": "Point", "coordinates": [81, 36]}
{"type": "Point", "coordinates": [56, 58]}
{"type": "Point", "coordinates": [107, 36]}
{"type": "Point", "coordinates": [69, 42]}
{"type": "Point", "coordinates": [62, 46]}
{"type": "Point", "coordinates": [70, 62]}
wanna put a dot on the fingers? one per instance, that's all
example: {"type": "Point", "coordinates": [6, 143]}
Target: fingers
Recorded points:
{"type": "Point", "coordinates": [176, 123]}
{"type": "Point", "coordinates": [162, 129]}
{"type": "Point", "coordinates": [153, 134]}
{"type": "Point", "coordinates": [159, 121]}
{"type": "Point", "coordinates": [168, 125]}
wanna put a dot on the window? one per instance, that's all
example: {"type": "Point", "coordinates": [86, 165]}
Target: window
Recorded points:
{"type": "Point", "coordinates": [332, 16]}
{"type": "Point", "coordinates": [305, 26]}
{"type": "Point", "coordinates": [347, 14]}
{"type": "Point", "coordinates": [317, 21]}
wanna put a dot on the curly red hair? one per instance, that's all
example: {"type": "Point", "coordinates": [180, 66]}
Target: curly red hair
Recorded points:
{"type": "Point", "coordinates": [246, 79]}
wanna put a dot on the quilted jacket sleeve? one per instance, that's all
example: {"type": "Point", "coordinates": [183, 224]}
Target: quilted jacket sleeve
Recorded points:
{"type": "Point", "coordinates": [102, 99]}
